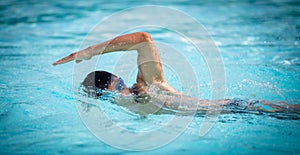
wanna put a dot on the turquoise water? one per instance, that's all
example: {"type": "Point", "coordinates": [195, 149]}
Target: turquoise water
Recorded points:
{"type": "Point", "coordinates": [259, 43]}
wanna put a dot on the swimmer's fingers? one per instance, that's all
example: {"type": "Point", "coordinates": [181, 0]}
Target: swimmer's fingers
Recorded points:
{"type": "Point", "coordinates": [66, 59]}
{"type": "Point", "coordinates": [78, 56]}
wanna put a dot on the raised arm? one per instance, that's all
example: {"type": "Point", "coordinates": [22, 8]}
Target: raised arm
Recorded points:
{"type": "Point", "coordinates": [126, 42]}
{"type": "Point", "coordinates": [149, 63]}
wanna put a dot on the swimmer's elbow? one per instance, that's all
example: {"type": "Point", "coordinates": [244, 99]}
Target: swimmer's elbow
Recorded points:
{"type": "Point", "coordinates": [145, 37]}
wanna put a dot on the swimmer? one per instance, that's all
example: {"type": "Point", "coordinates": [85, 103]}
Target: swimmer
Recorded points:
{"type": "Point", "coordinates": [150, 77]}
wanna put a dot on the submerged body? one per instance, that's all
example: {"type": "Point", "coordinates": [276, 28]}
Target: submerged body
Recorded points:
{"type": "Point", "coordinates": [151, 93]}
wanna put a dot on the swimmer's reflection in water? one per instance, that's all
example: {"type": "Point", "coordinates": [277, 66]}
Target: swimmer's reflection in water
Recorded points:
{"type": "Point", "coordinates": [150, 77]}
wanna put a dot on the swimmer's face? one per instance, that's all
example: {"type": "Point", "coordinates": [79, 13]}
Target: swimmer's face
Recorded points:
{"type": "Point", "coordinates": [117, 84]}
{"type": "Point", "coordinates": [113, 84]}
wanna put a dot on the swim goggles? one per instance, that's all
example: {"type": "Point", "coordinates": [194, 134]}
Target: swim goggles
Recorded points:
{"type": "Point", "coordinates": [120, 86]}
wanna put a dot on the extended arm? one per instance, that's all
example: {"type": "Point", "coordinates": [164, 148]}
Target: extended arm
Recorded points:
{"type": "Point", "coordinates": [188, 103]}
{"type": "Point", "coordinates": [149, 63]}
{"type": "Point", "coordinates": [121, 43]}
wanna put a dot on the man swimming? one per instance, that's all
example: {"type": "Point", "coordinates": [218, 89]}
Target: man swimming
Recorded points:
{"type": "Point", "coordinates": [150, 86]}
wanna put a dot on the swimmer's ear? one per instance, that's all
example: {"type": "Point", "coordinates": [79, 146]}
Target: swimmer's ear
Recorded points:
{"type": "Point", "coordinates": [77, 61]}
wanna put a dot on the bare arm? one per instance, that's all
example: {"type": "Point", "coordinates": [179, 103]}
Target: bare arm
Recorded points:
{"type": "Point", "coordinates": [188, 103]}
{"type": "Point", "coordinates": [149, 63]}
{"type": "Point", "coordinates": [121, 43]}
{"type": "Point", "coordinates": [282, 107]}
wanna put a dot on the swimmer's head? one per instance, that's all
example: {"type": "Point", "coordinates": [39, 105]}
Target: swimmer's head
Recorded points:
{"type": "Point", "coordinates": [98, 82]}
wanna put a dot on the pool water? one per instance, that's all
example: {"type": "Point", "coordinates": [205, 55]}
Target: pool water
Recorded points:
{"type": "Point", "coordinates": [259, 43]}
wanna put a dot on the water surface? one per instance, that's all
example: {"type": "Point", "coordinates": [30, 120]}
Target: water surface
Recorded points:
{"type": "Point", "coordinates": [259, 43]}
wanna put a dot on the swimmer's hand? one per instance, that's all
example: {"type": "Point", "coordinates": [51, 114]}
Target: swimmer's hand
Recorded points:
{"type": "Point", "coordinates": [77, 56]}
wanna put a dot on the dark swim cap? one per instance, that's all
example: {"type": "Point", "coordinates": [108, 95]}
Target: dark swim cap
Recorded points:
{"type": "Point", "coordinates": [97, 81]}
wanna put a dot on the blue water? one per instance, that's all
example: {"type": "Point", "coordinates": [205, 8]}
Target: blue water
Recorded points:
{"type": "Point", "coordinates": [259, 43]}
